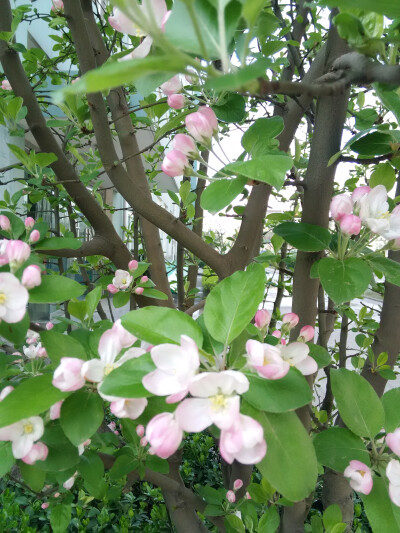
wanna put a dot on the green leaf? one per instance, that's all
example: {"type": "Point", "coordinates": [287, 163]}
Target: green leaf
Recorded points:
{"type": "Point", "coordinates": [336, 447]}
{"type": "Point", "coordinates": [231, 109]}
{"type": "Point", "coordinates": [388, 267]}
{"type": "Point", "coordinates": [121, 298]}
{"type": "Point", "coordinates": [32, 475]}
{"type": "Point", "coordinates": [219, 194]}
{"type": "Point", "coordinates": [344, 280]}
{"type": "Point", "coordinates": [45, 160]}
{"type": "Point", "coordinates": [55, 289]}
{"type": "Point", "coordinates": [154, 293]}
{"type": "Point", "coordinates": [305, 237]}
{"type": "Point", "coordinates": [269, 521]}
{"type": "Point", "coordinates": [92, 470]}
{"type": "Point", "coordinates": [6, 458]}
{"type": "Point", "coordinates": [382, 514]}
{"type": "Point", "coordinates": [125, 381]}
{"type": "Point", "coordinates": [60, 517]}
{"type": "Point", "coordinates": [386, 7]}
{"type": "Point", "coordinates": [77, 308]}
{"type": "Point", "coordinates": [58, 345]}
{"type": "Point", "coordinates": [15, 333]}
{"type": "Point", "coordinates": [278, 395]}
{"type": "Point", "coordinates": [389, 98]}
{"type": "Point", "coordinates": [260, 137]}
{"type": "Point", "coordinates": [233, 524]}
{"type": "Point", "coordinates": [62, 454]}
{"type": "Point", "coordinates": [239, 78]}
{"type": "Point", "coordinates": [17, 225]}
{"type": "Point", "coordinates": [358, 404]}
{"type": "Point", "coordinates": [391, 402]}
{"type": "Point", "coordinates": [375, 143]}
{"type": "Point", "coordinates": [29, 398]}
{"type": "Point", "coordinates": [81, 415]}
{"type": "Point", "coordinates": [59, 243]}
{"type": "Point", "coordinates": [171, 324]}
{"type": "Point", "coordinates": [116, 73]}
{"type": "Point", "coordinates": [269, 168]}
{"type": "Point", "coordinates": [233, 303]}
{"type": "Point", "coordinates": [332, 516]}
{"type": "Point", "coordinates": [92, 299]}
{"type": "Point", "coordinates": [319, 354]}
{"type": "Point", "coordinates": [123, 465]}
{"type": "Point", "coordinates": [384, 174]}
{"type": "Point", "coordinates": [290, 464]}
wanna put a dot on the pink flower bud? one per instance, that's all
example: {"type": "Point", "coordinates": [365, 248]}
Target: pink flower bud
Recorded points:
{"type": "Point", "coordinates": [350, 224]}
{"type": "Point", "coordinates": [49, 326]}
{"type": "Point", "coordinates": [172, 86]}
{"type": "Point", "coordinates": [42, 352]}
{"type": "Point", "coordinates": [393, 441]}
{"type": "Point", "coordinates": [143, 442]}
{"type": "Point", "coordinates": [44, 505]}
{"type": "Point", "coordinates": [38, 452]}
{"type": "Point", "coordinates": [164, 435]}
{"type": "Point", "coordinates": [29, 222]}
{"type": "Point", "coordinates": [283, 342]}
{"type": "Point", "coordinates": [58, 5]}
{"type": "Point", "coordinates": [306, 333]}
{"type": "Point", "coordinates": [139, 290]}
{"type": "Point", "coordinates": [140, 430]}
{"type": "Point", "coordinates": [34, 236]}
{"type": "Point", "coordinates": [132, 265]}
{"type": "Point", "coordinates": [6, 391]}
{"type": "Point", "coordinates": [17, 252]}
{"type": "Point", "coordinates": [175, 164]}
{"type": "Point", "coordinates": [238, 484]}
{"type": "Point", "coordinates": [277, 334]}
{"type": "Point", "coordinates": [112, 426]}
{"type": "Point", "coordinates": [202, 124]}
{"type": "Point", "coordinates": [6, 85]}
{"type": "Point", "coordinates": [55, 410]}
{"type": "Point", "coordinates": [341, 205]}
{"type": "Point", "coordinates": [144, 279]}
{"type": "Point", "coordinates": [56, 495]}
{"type": "Point", "coordinates": [75, 80]}
{"type": "Point", "coordinates": [230, 496]}
{"type": "Point", "coordinates": [31, 277]}
{"type": "Point", "coordinates": [185, 144]}
{"type": "Point", "coordinates": [262, 319]}
{"type": "Point", "coordinates": [176, 101]}
{"type": "Point", "coordinates": [359, 193]}
{"type": "Point", "coordinates": [291, 319]}
{"type": "Point", "coordinates": [5, 224]}
{"type": "Point", "coordinates": [247, 496]}
{"type": "Point", "coordinates": [112, 289]}
{"type": "Point", "coordinates": [67, 376]}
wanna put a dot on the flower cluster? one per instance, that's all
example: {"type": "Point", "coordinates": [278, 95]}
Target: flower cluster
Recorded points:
{"type": "Point", "coordinates": [274, 362]}
{"type": "Point", "coordinates": [366, 207]}
{"type": "Point", "coordinates": [124, 280]}
{"type": "Point", "coordinates": [33, 348]}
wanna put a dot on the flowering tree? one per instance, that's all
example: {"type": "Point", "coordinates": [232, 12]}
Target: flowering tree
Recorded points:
{"type": "Point", "coordinates": [294, 79]}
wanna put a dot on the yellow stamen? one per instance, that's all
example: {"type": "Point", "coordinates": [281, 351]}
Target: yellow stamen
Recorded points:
{"type": "Point", "coordinates": [3, 298]}
{"type": "Point", "coordinates": [28, 428]}
{"type": "Point", "coordinates": [218, 402]}
{"type": "Point", "coordinates": [108, 368]}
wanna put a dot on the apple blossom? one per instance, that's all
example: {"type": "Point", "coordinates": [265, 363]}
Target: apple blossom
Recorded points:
{"type": "Point", "coordinates": [262, 319]}
{"type": "Point", "coordinates": [247, 496]}
{"type": "Point", "coordinates": [133, 265]}
{"type": "Point", "coordinates": [22, 435]}
{"type": "Point", "coordinates": [6, 391]}
{"type": "Point", "coordinates": [67, 376]}
{"type": "Point", "coordinates": [164, 435]}
{"type": "Point", "coordinates": [122, 279]}
{"type": "Point", "coordinates": [32, 337]}
{"type": "Point", "coordinates": [237, 484]}
{"type": "Point", "coordinates": [266, 360]}
{"type": "Point", "coordinates": [306, 334]}
{"type": "Point", "coordinates": [215, 400]}
{"type": "Point", "coordinates": [44, 505]}
{"type": "Point", "coordinates": [140, 430]}
{"type": "Point", "coordinates": [243, 441]}
{"type": "Point", "coordinates": [38, 452]}
{"type": "Point", "coordinates": [296, 354]}
{"type": "Point", "coordinates": [359, 193]}
{"type": "Point", "coordinates": [70, 482]}
{"type": "Point", "coordinates": [112, 289]}
{"type": "Point", "coordinates": [350, 224]}
{"type": "Point", "coordinates": [374, 212]}
{"type": "Point", "coordinates": [49, 326]}
{"type": "Point", "coordinates": [5, 223]}
{"type": "Point", "coordinates": [230, 496]}
{"type": "Point", "coordinates": [185, 144]}
{"type": "Point", "coordinates": [176, 101]}
{"type": "Point", "coordinates": [128, 407]}
{"type": "Point", "coordinates": [110, 345]}
{"type": "Point", "coordinates": [17, 253]}
{"type": "Point", "coordinates": [176, 368]}
{"type": "Point", "coordinates": [34, 350]}
{"type": "Point", "coordinates": [82, 446]}
{"type": "Point", "coordinates": [171, 86]}
{"type": "Point", "coordinates": [393, 474]}
{"type": "Point", "coordinates": [341, 205]}
{"type": "Point", "coordinates": [360, 477]}
{"type": "Point", "coordinates": [290, 319]}
{"type": "Point", "coordinates": [393, 441]}
{"type": "Point", "coordinates": [55, 410]}
{"type": "Point", "coordinates": [125, 338]}
{"type": "Point", "coordinates": [31, 276]}
{"type": "Point", "coordinates": [34, 236]}
{"type": "Point", "coordinates": [175, 163]}
{"type": "Point", "coordinates": [6, 85]}
{"type": "Point", "coordinates": [139, 290]}
{"type": "Point", "coordinates": [29, 222]}
{"type": "Point", "coordinates": [202, 124]}
{"type": "Point", "coordinates": [58, 5]}
{"type": "Point", "coordinates": [13, 298]}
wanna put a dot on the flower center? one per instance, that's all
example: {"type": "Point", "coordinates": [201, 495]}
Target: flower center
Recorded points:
{"type": "Point", "coordinates": [218, 402]}
{"type": "Point", "coordinates": [123, 281]}
{"type": "Point", "coordinates": [108, 368]}
{"type": "Point", "coordinates": [362, 473]}
{"type": "Point", "coordinates": [3, 298]}
{"type": "Point", "coordinates": [28, 428]}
